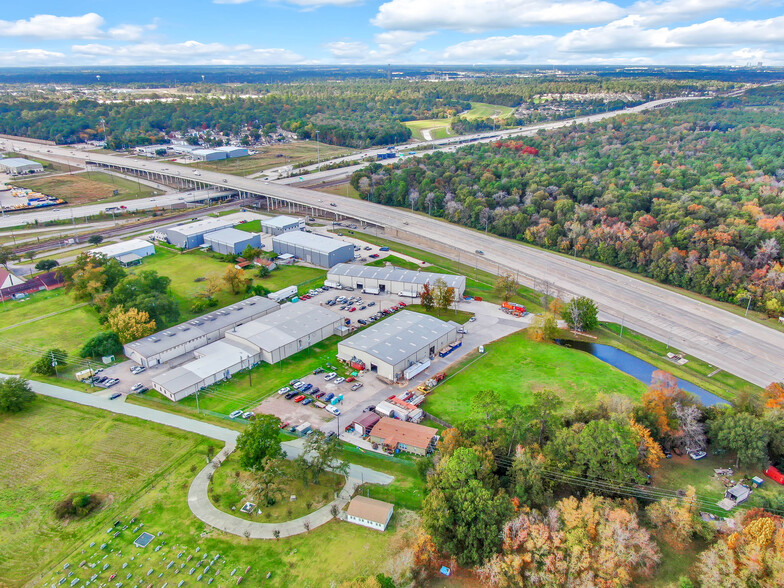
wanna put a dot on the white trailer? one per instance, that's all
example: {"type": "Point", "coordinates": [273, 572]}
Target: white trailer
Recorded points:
{"type": "Point", "coordinates": [375, 291]}
{"type": "Point", "coordinates": [283, 294]}
{"type": "Point", "coordinates": [417, 368]}
{"type": "Point", "coordinates": [334, 285]}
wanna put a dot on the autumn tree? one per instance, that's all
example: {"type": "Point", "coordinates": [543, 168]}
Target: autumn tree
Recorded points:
{"type": "Point", "coordinates": [774, 395]}
{"type": "Point", "coordinates": [649, 452]}
{"type": "Point", "coordinates": [235, 279]}
{"type": "Point", "coordinates": [463, 512]}
{"type": "Point", "coordinates": [677, 520]}
{"type": "Point", "coordinates": [131, 324]}
{"type": "Point", "coordinates": [146, 291]}
{"type": "Point", "coordinates": [506, 286]}
{"type": "Point", "coordinates": [426, 298]}
{"type": "Point", "coordinates": [581, 314]}
{"type": "Point", "coordinates": [543, 328]}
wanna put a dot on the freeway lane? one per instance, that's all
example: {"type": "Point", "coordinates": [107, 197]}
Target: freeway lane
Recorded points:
{"type": "Point", "coordinates": [730, 342]}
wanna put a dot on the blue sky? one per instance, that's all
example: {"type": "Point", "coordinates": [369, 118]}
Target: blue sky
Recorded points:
{"type": "Point", "coordinates": [263, 32]}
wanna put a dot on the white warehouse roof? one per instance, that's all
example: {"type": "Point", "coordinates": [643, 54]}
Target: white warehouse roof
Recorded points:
{"type": "Point", "coordinates": [228, 236]}
{"type": "Point", "coordinates": [117, 249]}
{"type": "Point", "coordinates": [291, 323]}
{"type": "Point", "coordinates": [398, 337]}
{"type": "Point", "coordinates": [18, 162]}
{"type": "Point", "coordinates": [311, 241]}
{"type": "Point", "coordinates": [204, 225]}
{"type": "Point", "coordinates": [395, 274]}
{"type": "Point", "coordinates": [280, 221]}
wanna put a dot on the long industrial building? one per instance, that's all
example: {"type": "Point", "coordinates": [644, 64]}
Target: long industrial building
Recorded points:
{"type": "Point", "coordinates": [190, 235]}
{"type": "Point", "coordinates": [397, 343]}
{"type": "Point", "coordinates": [128, 252]}
{"type": "Point", "coordinates": [176, 341]}
{"type": "Point", "coordinates": [311, 248]}
{"type": "Point", "coordinates": [392, 279]}
{"type": "Point", "coordinates": [231, 241]}
{"type": "Point", "coordinates": [18, 166]}
{"type": "Point", "coordinates": [277, 225]}
{"type": "Point", "coordinates": [293, 328]}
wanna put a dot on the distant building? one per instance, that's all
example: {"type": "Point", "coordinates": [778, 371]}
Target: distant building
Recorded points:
{"type": "Point", "coordinates": [315, 249]}
{"type": "Point", "coordinates": [392, 279]}
{"type": "Point", "coordinates": [232, 151]}
{"type": "Point", "coordinates": [150, 150]}
{"type": "Point", "coordinates": [19, 166]}
{"type": "Point", "coordinates": [396, 435]}
{"type": "Point", "coordinates": [208, 154]}
{"type": "Point", "coordinates": [45, 281]}
{"type": "Point", "coordinates": [231, 241]}
{"type": "Point", "coordinates": [128, 252]}
{"type": "Point", "coordinates": [369, 512]}
{"type": "Point", "coordinates": [190, 235]}
{"type": "Point", "coordinates": [278, 225]}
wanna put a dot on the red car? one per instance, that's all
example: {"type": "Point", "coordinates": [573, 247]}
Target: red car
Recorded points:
{"type": "Point", "coordinates": [402, 304]}
{"type": "Point", "coordinates": [374, 255]}
{"type": "Point", "coordinates": [299, 398]}
{"type": "Point", "coordinates": [304, 297]}
{"type": "Point", "coordinates": [352, 309]}
{"type": "Point", "coordinates": [350, 379]}
{"type": "Point", "coordinates": [284, 425]}
{"type": "Point", "coordinates": [774, 474]}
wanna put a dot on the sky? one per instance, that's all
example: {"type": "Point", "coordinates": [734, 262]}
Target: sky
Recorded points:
{"type": "Point", "coordinates": [427, 32]}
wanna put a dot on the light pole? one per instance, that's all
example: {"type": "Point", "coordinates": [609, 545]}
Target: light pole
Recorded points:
{"type": "Point", "coordinates": [747, 307]}
{"type": "Point", "coordinates": [318, 151]}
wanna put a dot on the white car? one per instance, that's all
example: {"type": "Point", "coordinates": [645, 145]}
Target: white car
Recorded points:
{"type": "Point", "coordinates": [695, 455]}
{"type": "Point", "coordinates": [284, 390]}
{"type": "Point", "coordinates": [472, 319]}
{"type": "Point", "coordinates": [235, 414]}
{"type": "Point", "coordinates": [330, 376]}
{"type": "Point", "coordinates": [339, 380]}
{"type": "Point", "coordinates": [332, 410]}
{"type": "Point", "coordinates": [137, 386]}
{"type": "Point", "coordinates": [247, 415]}
{"type": "Point", "coordinates": [299, 385]}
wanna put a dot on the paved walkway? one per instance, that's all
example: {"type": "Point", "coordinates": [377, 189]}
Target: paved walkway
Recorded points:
{"type": "Point", "coordinates": [198, 498]}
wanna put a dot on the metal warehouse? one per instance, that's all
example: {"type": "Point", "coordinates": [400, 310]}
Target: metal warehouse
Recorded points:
{"type": "Point", "coordinates": [17, 165]}
{"type": "Point", "coordinates": [208, 154]}
{"type": "Point", "coordinates": [231, 241]}
{"type": "Point", "coordinates": [392, 279]}
{"type": "Point", "coordinates": [214, 362]}
{"type": "Point", "coordinates": [278, 225]}
{"type": "Point", "coordinates": [232, 151]}
{"type": "Point", "coordinates": [127, 252]}
{"type": "Point", "coordinates": [396, 343]}
{"type": "Point", "coordinates": [191, 235]}
{"type": "Point", "coordinates": [186, 337]}
{"type": "Point", "coordinates": [315, 249]}
{"type": "Point", "coordinates": [294, 328]}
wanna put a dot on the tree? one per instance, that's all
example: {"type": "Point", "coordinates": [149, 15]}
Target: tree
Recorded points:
{"type": "Point", "coordinates": [262, 272]}
{"type": "Point", "coordinates": [677, 520]}
{"type": "Point", "coordinates": [581, 314]}
{"type": "Point", "coordinates": [649, 452]}
{"type": "Point", "coordinates": [95, 239]}
{"type": "Point", "coordinates": [530, 483]}
{"type": "Point", "coordinates": [268, 481]}
{"type": "Point", "coordinates": [774, 395]}
{"type": "Point", "coordinates": [543, 328]}
{"type": "Point", "coordinates": [29, 255]}
{"type": "Point", "coordinates": [250, 252]}
{"type": "Point", "coordinates": [235, 279]}
{"type": "Point", "coordinates": [131, 324]}
{"type": "Point", "coordinates": [743, 433]}
{"type": "Point", "coordinates": [15, 395]}
{"type": "Point", "coordinates": [692, 429]}
{"type": "Point", "coordinates": [463, 514]}
{"type": "Point", "coordinates": [323, 453]}
{"type": "Point", "coordinates": [426, 297]}
{"type": "Point", "coordinates": [6, 255]}
{"type": "Point", "coordinates": [46, 265]}
{"type": "Point", "coordinates": [101, 345]}
{"type": "Point", "coordinates": [544, 412]}
{"type": "Point", "coordinates": [50, 362]}
{"type": "Point", "coordinates": [260, 442]}
{"type": "Point", "coordinates": [443, 295]}
{"type": "Point", "coordinates": [146, 291]}
{"type": "Point", "coordinates": [506, 286]}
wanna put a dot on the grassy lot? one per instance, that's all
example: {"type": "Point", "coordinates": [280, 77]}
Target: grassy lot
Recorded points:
{"type": "Point", "coordinates": [230, 487]}
{"type": "Point", "coordinates": [696, 371]}
{"type": "Point", "coordinates": [56, 448]}
{"type": "Point", "coordinates": [459, 316]}
{"type": "Point", "coordinates": [675, 562]}
{"type": "Point", "coordinates": [13, 312]}
{"type": "Point", "coordinates": [438, 127]}
{"type": "Point", "coordinates": [483, 110]}
{"type": "Point", "coordinates": [394, 260]}
{"type": "Point", "coordinates": [515, 367]}
{"type": "Point", "coordinates": [275, 156]}
{"type": "Point", "coordinates": [346, 190]}
{"type": "Point", "coordinates": [407, 490]}
{"type": "Point", "coordinates": [478, 283]}
{"type": "Point", "coordinates": [83, 188]}
{"type": "Point", "coordinates": [253, 226]}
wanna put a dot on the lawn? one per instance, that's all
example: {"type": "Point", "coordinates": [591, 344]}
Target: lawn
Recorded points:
{"type": "Point", "coordinates": [394, 260]}
{"type": "Point", "coordinates": [459, 316]}
{"type": "Point", "coordinates": [515, 367]}
{"type": "Point", "coordinates": [346, 190]}
{"type": "Point", "coordinates": [92, 187]}
{"type": "Point", "coordinates": [438, 128]}
{"type": "Point", "coordinates": [56, 448]}
{"type": "Point", "coordinates": [483, 110]}
{"type": "Point", "coordinates": [13, 312]}
{"type": "Point", "coordinates": [407, 490]}
{"type": "Point", "coordinates": [300, 152]}
{"type": "Point", "coordinates": [253, 226]}
{"type": "Point", "coordinates": [230, 487]}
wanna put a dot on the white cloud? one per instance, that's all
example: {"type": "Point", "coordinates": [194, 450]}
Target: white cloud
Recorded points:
{"type": "Point", "coordinates": [187, 53]}
{"type": "Point", "coordinates": [31, 57]}
{"type": "Point", "coordinates": [48, 26]}
{"type": "Point", "coordinates": [671, 11]}
{"type": "Point", "coordinates": [512, 48]}
{"type": "Point", "coordinates": [348, 50]}
{"type": "Point", "coordinates": [319, 3]}
{"type": "Point", "coordinates": [476, 15]}
{"type": "Point", "coordinates": [129, 32]}
{"type": "Point", "coordinates": [389, 44]}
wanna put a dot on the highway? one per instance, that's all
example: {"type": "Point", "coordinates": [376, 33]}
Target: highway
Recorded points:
{"type": "Point", "coordinates": [747, 349]}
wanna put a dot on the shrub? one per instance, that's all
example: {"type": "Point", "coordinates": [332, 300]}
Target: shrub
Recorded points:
{"type": "Point", "coordinates": [76, 505]}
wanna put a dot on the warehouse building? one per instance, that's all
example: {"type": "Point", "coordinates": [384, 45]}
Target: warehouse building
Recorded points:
{"type": "Point", "coordinates": [369, 512]}
{"type": "Point", "coordinates": [278, 225]}
{"type": "Point", "coordinates": [214, 362]}
{"type": "Point", "coordinates": [19, 166]}
{"type": "Point", "coordinates": [315, 249]}
{"type": "Point", "coordinates": [392, 345]}
{"type": "Point", "coordinates": [232, 151]}
{"type": "Point", "coordinates": [279, 335]}
{"type": "Point", "coordinates": [191, 235]}
{"type": "Point", "coordinates": [394, 435]}
{"type": "Point", "coordinates": [231, 241]}
{"type": "Point", "coordinates": [208, 154]}
{"type": "Point", "coordinates": [392, 279]}
{"type": "Point", "coordinates": [128, 253]}
{"type": "Point", "coordinates": [181, 339]}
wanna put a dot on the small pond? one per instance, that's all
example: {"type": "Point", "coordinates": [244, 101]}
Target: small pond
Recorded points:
{"type": "Point", "coordinates": [637, 368]}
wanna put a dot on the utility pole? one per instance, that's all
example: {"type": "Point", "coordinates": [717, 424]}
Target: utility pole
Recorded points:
{"type": "Point", "coordinates": [747, 307]}
{"type": "Point", "coordinates": [318, 150]}
{"type": "Point", "coordinates": [54, 364]}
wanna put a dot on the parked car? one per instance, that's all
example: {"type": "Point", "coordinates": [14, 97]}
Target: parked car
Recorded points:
{"type": "Point", "coordinates": [137, 369]}
{"type": "Point", "coordinates": [367, 248]}
{"type": "Point", "coordinates": [299, 385]}
{"type": "Point", "coordinates": [318, 371]}
{"type": "Point", "coordinates": [299, 398]}
{"type": "Point", "coordinates": [136, 387]}
{"type": "Point", "coordinates": [284, 390]}
{"type": "Point", "coordinates": [461, 330]}
{"type": "Point", "coordinates": [374, 255]}
{"type": "Point", "coordinates": [383, 248]}
{"type": "Point", "coordinates": [329, 397]}
{"type": "Point", "coordinates": [306, 387]}
{"type": "Point", "coordinates": [357, 386]}
{"type": "Point", "coordinates": [293, 382]}
{"type": "Point", "coordinates": [315, 390]}
{"type": "Point", "coordinates": [352, 309]}
{"type": "Point", "coordinates": [371, 304]}
{"type": "Point", "coordinates": [319, 394]}
{"type": "Point", "coordinates": [235, 414]}
{"type": "Point", "coordinates": [330, 376]}
{"type": "Point", "coordinates": [115, 396]}
{"type": "Point", "coordinates": [402, 304]}
{"type": "Point", "coordinates": [339, 380]}
{"type": "Point", "coordinates": [362, 321]}
{"type": "Point", "coordinates": [350, 379]}
{"type": "Point", "coordinates": [248, 415]}
{"type": "Point", "coordinates": [307, 401]}
{"type": "Point", "coordinates": [370, 408]}
{"type": "Point", "coordinates": [332, 410]}
{"type": "Point", "coordinates": [472, 319]}
{"type": "Point", "coordinates": [291, 394]}
{"type": "Point", "coordinates": [697, 454]}
{"type": "Point", "coordinates": [142, 390]}
{"type": "Point", "coordinates": [284, 425]}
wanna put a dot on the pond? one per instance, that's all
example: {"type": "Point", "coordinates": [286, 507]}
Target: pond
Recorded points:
{"type": "Point", "coordinates": [637, 368]}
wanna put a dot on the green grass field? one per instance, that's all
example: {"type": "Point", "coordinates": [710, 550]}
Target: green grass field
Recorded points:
{"type": "Point", "coordinates": [459, 316]}
{"type": "Point", "coordinates": [438, 128]}
{"type": "Point", "coordinates": [346, 190]}
{"type": "Point", "coordinates": [92, 187]}
{"type": "Point", "coordinates": [515, 367]}
{"type": "Point", "coordinates": [228, 490]}
{"type": "Point", "coordinates": [273, 156]}
{"type": "Point", "coordinates": [56, 448]}
{"type": "Point", "coordinates": [394, 260]}
{"type": "Point", "coordinates": [483, 110]}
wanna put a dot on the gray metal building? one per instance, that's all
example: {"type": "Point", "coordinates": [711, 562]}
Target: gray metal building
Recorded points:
{"type": "Point", "coordinates": [278, 225]}
{"type": "Point", "coordinates": [315, 249]}
{"type": "Point", "coordinates": [232, 151]}
{"type": "Point", "coordinates": [392, 279]}
{"type": "Point", "coordinates": [231, 241]}
{"type": "Point", "coordinates": [194, 334]}
{"type": "Point", "coordinates": [17, 166]}
{"type": "Point", "coordinates": [398, 342]}
{"type": "Point", "coordinates": [190, 235]}
{"type": "Point", "coordinates": [208, 154]}
{"type": "Point", "coordinates": [293, 328]}
{"type": "Point", "coordinates": [126, 249]}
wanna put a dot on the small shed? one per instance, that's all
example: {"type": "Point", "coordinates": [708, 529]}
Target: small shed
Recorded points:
{"type": "Point", "coordinates": [364, 424]}
{"type": "Point", "coordinates": [738, 493]}
{"type": "Point", "coordinates": [369, 512]}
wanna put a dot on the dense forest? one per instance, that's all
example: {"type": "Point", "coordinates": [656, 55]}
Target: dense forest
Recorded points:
{"type": "Point", "coordinates": [689, 195]}
{"type": "Point", "coordinates": [354, 113]}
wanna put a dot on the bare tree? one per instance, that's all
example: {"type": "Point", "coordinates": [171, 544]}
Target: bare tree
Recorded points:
{"type": "Point", "coordinates": [692, 429]}
{"type": "Point", "coordinates": [577, 317]}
